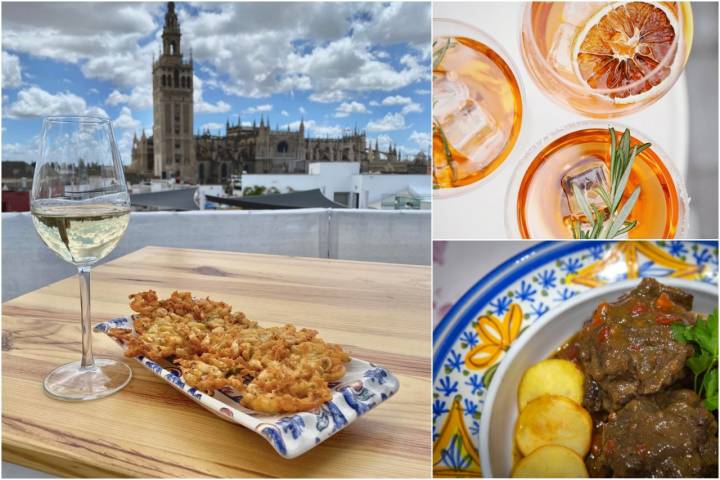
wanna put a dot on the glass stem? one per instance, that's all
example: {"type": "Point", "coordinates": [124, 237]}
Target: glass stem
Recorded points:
{"type": "Point", "coordinates": [87, 353]}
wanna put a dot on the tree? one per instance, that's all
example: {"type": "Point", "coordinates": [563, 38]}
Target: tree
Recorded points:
{"type": "Point", "coordinates": [254, 190]}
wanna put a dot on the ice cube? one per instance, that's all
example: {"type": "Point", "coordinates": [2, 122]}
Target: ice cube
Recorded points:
{"type": "Point", "coordinates": [560, 54]}
{"type": "Point", "coordinates": [588, 177]}
{"type": "Point", "coordinates": [449, 94]}
{"type": "Point", "coordinates": [578, 13]}
{"type": "Point", "coordinates": [471, 129]}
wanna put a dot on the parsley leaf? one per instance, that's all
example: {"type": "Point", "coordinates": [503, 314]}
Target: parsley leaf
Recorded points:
{"type": "Point", "coordinates": [704, 363]}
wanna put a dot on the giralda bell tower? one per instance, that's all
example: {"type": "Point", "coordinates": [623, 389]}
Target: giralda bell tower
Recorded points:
{"type": "Point", "coordinates": [173, 141]}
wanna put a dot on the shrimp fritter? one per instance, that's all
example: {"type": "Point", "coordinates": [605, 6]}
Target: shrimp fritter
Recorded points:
{"type": "Point", "coordinates": [275, 369]}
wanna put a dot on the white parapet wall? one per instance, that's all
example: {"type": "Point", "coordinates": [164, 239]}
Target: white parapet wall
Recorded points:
{"type": "Point", "coordinates": [370, 235]}
{"type": "Point", "coordinates": [343, 178]}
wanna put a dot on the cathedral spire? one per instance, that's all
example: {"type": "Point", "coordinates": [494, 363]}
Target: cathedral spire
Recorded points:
{"type": "Point", "coordinates": [262, 123]}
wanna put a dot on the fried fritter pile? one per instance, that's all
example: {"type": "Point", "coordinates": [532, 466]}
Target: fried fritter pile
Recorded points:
{"type": "Point", "coordinates": [276, 369]}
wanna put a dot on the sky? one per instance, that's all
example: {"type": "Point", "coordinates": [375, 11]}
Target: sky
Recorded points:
{"type": "Point", "coordinates": [337, 65]}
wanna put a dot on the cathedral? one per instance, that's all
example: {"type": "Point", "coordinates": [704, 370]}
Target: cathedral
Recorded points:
{"type": "Point", "coordinates": [175, 150]}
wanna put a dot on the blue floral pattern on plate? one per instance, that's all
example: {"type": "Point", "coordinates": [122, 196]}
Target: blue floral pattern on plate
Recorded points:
{"type": "Point", "coordinates": [364, 387]}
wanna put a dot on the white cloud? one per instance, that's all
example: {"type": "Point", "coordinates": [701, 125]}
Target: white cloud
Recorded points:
{"type": "Point", "coordinates": [266, 107]}
{"type": "Point", "coordinates": [408, 105]}
{"type": "Point", "coordinates": [116, 98]}
{"type": "Point", "coordinates": [212, 126]}
{"type": "Point", "coordinates": [202, 106]}
{"type": "Point", "coordinates": [315, 129]}
{"type": "Point", "coordinates": [302, 110]}
{"type": "Point", "coordinates": [25, 152]}
{"type": "Point", "coordinates": [346, 108]}
{"type": "Point", "coordinates": [374, 103]}
{"type": "Point", "coordinates": [423, 91]}
{"type": "Point", "coordinates": [102, 38]}
{"type": "Point", "coordinates": [329, 50]}
{"type": "Point", "coordinates": [11, 70]}
{"type": "Point", "coordinates": [422, 139]}
{"type": "Point", "coordinates": [396, 100]}
{"type": "Point", "coordinates": [326, 49]}
{"type": "Point", "coordinates": [412, 108]}
{"type": "Point", "coordinates": [327, 131]}
{"type": "Point", "coordinates": [331, 96]}
{"type": "Point", "coordinates": [390, 122]}
{"type": "Point", "coordinates": [208, 107]}
{"type": "Point", "coordinates": [398, 22]}
{"type": "Point", "coordinates": [36, 102]}
{"type": "Point", "coordinates": [126, 121]}
{"type": "Point", "coordinates": [284, 113]}
{"type": "Point", "coordinates": [139, 98]}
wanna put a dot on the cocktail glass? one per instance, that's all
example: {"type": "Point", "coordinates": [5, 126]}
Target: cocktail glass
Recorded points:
{"type": "Point", "coordinates": [605, 59]}
{"type": "Point", "coordinates": [477, 106]}
{"type": "Point", "coordinates": [540, 203]}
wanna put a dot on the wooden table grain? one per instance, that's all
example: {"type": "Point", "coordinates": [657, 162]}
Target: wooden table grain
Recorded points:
{"type": "Point", "coordinates": [380, 312]}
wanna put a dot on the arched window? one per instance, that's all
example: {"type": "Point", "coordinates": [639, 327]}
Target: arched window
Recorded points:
{"type": "Point", "coordinates": [163, 81]}
{"type": "Point", "coordinates": [172, 48]}
{"type": "Point", "coordinates": [223, 172]}
{"type": "Point", "coordinates": [189, 82]}
{"type": "Point", "coordinates": [282, 147]}
{"type": "Point", "coordinates": [182, 82]}
{"type": "Point", "coordinates": [177, 79]}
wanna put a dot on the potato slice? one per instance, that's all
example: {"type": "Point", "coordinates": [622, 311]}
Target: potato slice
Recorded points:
{"type": "Point", "coordinates": [551, 377]}
{"type": "Point", "coordinates": [553, 420]}
{"type": "Point", "coordinates": [551, 461]}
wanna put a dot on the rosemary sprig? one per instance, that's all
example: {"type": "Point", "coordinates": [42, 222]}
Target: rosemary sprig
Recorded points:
{"type": "Point", "coordinates": [616, 224]}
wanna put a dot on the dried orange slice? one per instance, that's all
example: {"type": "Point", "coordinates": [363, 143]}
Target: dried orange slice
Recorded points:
{"type": "Point", "coordinates": [622, 45]}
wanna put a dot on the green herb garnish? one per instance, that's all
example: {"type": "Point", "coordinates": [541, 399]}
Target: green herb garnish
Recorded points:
{"type": "Point", "coordinates": [704, 363]}
{"type": "Point", "coordinates": [615, 223]}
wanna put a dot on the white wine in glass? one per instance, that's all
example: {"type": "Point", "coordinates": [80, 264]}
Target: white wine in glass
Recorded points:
{"type": "Point", "coordinates": [81, 209]}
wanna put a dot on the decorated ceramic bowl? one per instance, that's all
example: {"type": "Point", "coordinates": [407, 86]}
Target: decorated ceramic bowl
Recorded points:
{"type": "Point", "coordinates": [472, 339]}
{"type": "Point", "coordinates": [539, 342]}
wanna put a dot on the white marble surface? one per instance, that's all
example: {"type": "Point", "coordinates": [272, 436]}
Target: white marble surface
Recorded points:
{"type": "Point", "coordinates": [478, 213]}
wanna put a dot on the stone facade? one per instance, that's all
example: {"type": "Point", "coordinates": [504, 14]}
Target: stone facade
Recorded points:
{"type": "Point", "coordinates": [176, 151]}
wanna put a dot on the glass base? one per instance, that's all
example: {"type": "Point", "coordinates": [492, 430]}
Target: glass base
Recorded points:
{"type": "Point", "coordinates": [73, 383]}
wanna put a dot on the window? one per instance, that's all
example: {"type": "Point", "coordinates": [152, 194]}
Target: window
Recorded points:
{"type": "Point", "coordinates": [163, 81]}
{"type": "Point", "coordinates": [168, 117]}
{"type": "Point", "coordinates": [177, 79]}
{"type": "Point", "coordinates": [342, 198]}
{"type": "Point", "coordinates": [282, 147]}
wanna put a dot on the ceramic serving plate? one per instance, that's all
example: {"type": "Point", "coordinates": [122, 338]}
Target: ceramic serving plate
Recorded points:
{"type": "Point", "coordinates": [537, 343]}
{"type": "Point", "coordinates": [364, 387]}
{"type": "Point", "coordinates": [474, 337]}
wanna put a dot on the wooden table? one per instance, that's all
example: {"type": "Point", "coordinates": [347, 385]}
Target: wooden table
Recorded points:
{"type": "Point", "coordinates": [381, 312]}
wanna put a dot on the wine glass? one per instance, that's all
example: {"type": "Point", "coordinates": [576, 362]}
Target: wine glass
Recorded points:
{"type": "Point", "coordinates": [81, 209]}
